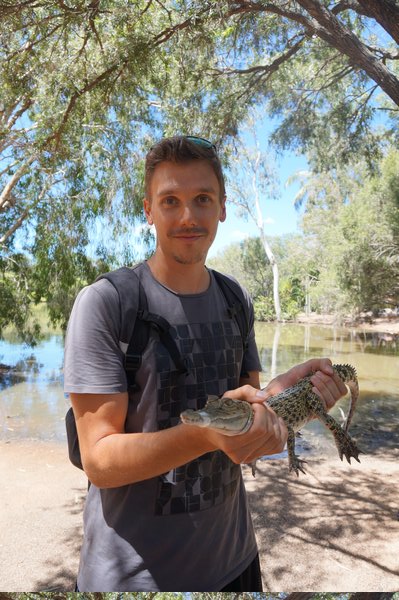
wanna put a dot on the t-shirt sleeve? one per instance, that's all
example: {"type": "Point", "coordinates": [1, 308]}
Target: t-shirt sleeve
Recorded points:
{"type": "Point", "coordinates": [93, 360]}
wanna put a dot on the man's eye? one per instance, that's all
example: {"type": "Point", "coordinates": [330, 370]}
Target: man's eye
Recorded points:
{"type": "Point", "coordinates": [203, 199]}
{"type": "Point", "coordinates": [169, 201]}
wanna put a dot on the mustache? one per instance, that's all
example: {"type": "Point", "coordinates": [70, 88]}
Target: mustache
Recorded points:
{"type": "Point", "coordinates": [188, 231]}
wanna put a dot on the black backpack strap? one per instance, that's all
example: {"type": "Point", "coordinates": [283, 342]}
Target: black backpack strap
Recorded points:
{"type": "Point", "coordinates": [163, 328]}
{"type": "Point", "coordinates": [131, 298]}
{"type": "Point", "coordinates": [237, 305]}
{"type": "Point", "coordinates": [237, 308]}
{"type": "Point", "coordinates": [136, 322]}
{"type": "Point", "coordinates": [133, 333]}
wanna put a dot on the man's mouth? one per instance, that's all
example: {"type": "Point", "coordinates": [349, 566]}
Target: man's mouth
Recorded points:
{"type": "Point", "coordinates": [192, 234]}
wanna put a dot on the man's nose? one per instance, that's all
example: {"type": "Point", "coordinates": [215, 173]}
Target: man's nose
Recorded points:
{"type": "Point", "coordinates": [188, 214]}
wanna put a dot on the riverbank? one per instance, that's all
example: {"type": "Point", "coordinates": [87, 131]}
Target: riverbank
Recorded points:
{"type": "Point", "coordinates": [388, 325]}
{"type": "Point", "coordinates": [335, 529]}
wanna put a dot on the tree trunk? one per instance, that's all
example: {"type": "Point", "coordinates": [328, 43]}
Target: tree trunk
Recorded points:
{"type": "Point", "coordinates": [261, 227]}
{"type": "Point", "coordinates": [371, 596]}
{"type": "Point", "coordinates": [308, 308]}
{"type": "Point", "coordinates": [276, 340]}
{"type": "Point", "coordinates": [385, 12]}
{"type": "Point", "coordinates": [300, 596]}
{"type": "Point", "coordinates": [274, 266]}
{"type": "Point", "coordinates": [326, 26]}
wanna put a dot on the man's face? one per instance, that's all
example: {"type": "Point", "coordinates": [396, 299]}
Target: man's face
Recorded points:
{"type": "Point", "coordinates": [185, 208]}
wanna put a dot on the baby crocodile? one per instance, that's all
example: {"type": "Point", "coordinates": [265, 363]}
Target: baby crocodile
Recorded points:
{"type": "Point", "coordinates": [297, 405]}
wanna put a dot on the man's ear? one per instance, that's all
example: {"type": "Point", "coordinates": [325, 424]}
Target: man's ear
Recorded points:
{"type": "Point", "coordinates": [223, 215]}
{"type": "Point", "coordinates": [147, 211]}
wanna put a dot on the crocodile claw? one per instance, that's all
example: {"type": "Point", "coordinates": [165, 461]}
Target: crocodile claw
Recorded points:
{"type": "Point", "coordinates": [297, 464]}
{"type": "Point", "coordinates": [350, 450]}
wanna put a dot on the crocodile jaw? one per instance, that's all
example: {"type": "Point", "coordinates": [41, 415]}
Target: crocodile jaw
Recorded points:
{"type": "Point", "coordinates": [198, 418]}
{"type": "Point", "coordinates": [226, 416]}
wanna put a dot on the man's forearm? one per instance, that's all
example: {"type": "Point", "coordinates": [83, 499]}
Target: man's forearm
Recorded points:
{"type": "Point", "coordinates": [124, 458]}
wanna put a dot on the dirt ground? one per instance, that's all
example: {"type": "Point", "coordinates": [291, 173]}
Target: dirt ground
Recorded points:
{"type": "Point", "coordinates": [335, 529]}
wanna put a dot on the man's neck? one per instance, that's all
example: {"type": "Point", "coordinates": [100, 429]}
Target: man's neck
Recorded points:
{"type": "Point", "coordinates": [180, 278]}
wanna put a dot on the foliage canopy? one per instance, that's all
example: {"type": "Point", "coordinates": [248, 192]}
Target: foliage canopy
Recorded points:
{"type": "Point", "coordinates": [345, 260]}
{"type": "Point", "coordinates": [85, 87]}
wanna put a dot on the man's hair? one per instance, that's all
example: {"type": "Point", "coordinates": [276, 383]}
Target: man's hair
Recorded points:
{"type": "Point", "coordinates": [179, 149]}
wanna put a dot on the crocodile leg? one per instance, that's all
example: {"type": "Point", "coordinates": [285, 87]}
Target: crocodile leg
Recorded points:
{"type": "Point", "coordinates": [294, 462]}
{"type": "Point", "coordinates": [345, 444]}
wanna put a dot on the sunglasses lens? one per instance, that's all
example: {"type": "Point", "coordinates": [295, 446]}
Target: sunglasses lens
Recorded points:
{"type": "Point", "coordinates": [201, 142]}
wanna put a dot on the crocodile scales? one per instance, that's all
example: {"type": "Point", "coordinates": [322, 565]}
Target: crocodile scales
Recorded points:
{"type": "Point", "coordinates": [297, 405]}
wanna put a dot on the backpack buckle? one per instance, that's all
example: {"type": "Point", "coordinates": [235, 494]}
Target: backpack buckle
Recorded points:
{"type": "Point", "coordinates": [233, 310]}
{"type": "Point", "coordinates": [132, 362]}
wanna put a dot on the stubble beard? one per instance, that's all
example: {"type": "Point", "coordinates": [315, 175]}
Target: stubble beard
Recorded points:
{"type": "Point", "coordinates": [199, 257]}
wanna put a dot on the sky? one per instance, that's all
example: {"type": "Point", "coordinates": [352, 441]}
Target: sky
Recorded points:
{"type": "Point", "coordinates": [280, 214]}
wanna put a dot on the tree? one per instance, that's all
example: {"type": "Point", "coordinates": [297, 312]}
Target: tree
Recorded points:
{"type": "Point", "coordinates": [353, 220]}
{"type": "Point", "coordinates": [247, 261]}
{"type": "Point", "coordinates": [85, 88]}
{"type": "Point", "coordinates": [319, 67]}
{"type": "Point", "coordinates": [251, 184]}
{"type": "Point", "coordinates": [71, 109]}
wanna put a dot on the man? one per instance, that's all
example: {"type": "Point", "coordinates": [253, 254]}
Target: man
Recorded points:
{"type": "Point", "coordinates": [167, 508]}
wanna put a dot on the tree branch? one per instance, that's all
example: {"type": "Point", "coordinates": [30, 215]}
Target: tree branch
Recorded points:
{"type": "Point", "coordinates": [14, 118]}
{"type": "Point", "coordinates": [74, 98]}
{"type": "Point", "coordinates": [331, 30]}
{"type": "Point", "coordinates": [27, 47]}
{"type": "Point", "coordinates": [166, 34]}
{"type": "Point", "coordinates": [25, 214]}
{"type": "Point", "coordinates": [272, 67]}
{"type": "Point", "coordinates": [247, 6]}
{"type": "Point", "coordinates": [17, 7]}
{"type": "Point", "coordinates": [14, 180]}
{"type": "Point", "coordinates": [386, 12]}
{"type": "Point", "coordinates": [322, 22]}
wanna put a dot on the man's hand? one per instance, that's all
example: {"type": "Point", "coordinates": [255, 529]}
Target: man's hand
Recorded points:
{"type": "Point", "coordinates": [327, 385]}
{"type": "Point", "coordinates": [268, 433]}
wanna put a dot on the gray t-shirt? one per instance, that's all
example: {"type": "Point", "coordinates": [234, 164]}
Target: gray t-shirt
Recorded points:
{"type": "Point", "coordinates": [189, 529]}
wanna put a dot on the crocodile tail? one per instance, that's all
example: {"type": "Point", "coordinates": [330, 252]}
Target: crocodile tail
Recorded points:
{"type": "Point", "coordinates": [348, 375]}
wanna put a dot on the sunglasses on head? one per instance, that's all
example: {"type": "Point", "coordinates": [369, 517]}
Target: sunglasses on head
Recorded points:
{"type": "Point", "coordinates": [201, 142]}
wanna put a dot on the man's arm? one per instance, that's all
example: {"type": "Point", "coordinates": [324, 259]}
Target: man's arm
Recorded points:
{"type": "Point", "coordinates": [113, 458]}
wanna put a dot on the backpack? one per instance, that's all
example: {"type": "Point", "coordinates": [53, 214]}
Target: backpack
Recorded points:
{"type": "Point", "coordinates": [136, 323]}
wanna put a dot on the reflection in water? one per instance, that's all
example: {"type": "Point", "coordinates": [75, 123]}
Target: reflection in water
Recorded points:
{"type": "Point", "coordinates": [32, 402]}
{"type": "Point", "coordinates": [379, 343]}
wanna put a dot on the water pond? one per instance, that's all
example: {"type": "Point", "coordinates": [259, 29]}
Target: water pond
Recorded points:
{"type": "Point", "coordinates": [33, 406]}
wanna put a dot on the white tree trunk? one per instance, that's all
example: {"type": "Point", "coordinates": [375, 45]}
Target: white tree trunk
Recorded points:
{"type": "Point", "coordinates": [265, 243]}
{"type": "Point", "coordinates": [274, 266]}
{"type": "Point", "coordinates": [276, 339]}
